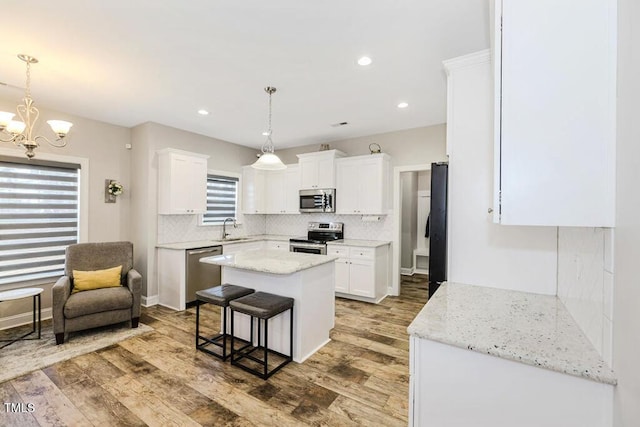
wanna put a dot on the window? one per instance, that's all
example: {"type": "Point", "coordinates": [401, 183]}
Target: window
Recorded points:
{"type": "Point", "coordinates": [39, 217]}
{"type": "Point", "coordinates": [222, 198]}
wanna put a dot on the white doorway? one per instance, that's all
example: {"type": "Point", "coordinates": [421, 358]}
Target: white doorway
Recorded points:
{"type": "Point", "coordinates": [410, 248]}
{"type": "Point", "coordinates": [421, 250]}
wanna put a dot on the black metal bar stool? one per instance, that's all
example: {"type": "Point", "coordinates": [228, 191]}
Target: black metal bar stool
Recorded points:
{"type": "Point", "coordinates": [220, 296]}
{"type": "Point", "coordinates": [262, 306]}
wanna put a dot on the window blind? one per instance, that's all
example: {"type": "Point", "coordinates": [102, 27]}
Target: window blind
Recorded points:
{"type": "Point", "coordinates": [222, 199]}
{"type": "Point", "coordinates": [39, 213]}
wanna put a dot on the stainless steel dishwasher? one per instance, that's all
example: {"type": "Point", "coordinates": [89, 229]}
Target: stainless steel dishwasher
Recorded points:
{"type": "Point", "coordinates": [201, 275]}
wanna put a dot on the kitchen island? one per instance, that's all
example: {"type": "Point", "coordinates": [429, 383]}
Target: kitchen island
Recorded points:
{"type": "Point", "coordinates": [308, 279]}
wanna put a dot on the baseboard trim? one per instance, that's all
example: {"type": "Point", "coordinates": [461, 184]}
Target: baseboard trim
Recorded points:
{"type": "Point", "coordinates": [149, 301]}
{"type": "Point", "coordinates": [407, 271]}
{"type": "Point", "coordinates": [23, 319]}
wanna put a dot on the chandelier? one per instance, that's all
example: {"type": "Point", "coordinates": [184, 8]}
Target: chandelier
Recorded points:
{"type": "Point", "coordinates": [268, 160]}
{"type": "Point", "coordinates": [21, 132]}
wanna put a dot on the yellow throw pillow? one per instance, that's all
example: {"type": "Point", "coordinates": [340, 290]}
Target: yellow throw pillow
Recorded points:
{"type": "Point", "coordinates": [88, 280]}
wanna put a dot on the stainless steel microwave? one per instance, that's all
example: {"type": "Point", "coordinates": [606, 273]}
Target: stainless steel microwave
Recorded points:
{"type": "Point", "coordinates": [320, 200]}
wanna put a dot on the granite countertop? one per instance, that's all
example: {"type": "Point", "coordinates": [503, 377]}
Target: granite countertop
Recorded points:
{"type": "Point", "coordinates": [361, 243]}
{"type": "Point", "coordinates": [205, 243]}
{"type": "Point", "coordinates": [523, 327]}
{"type": "Point", "coordinates": [270, 261]}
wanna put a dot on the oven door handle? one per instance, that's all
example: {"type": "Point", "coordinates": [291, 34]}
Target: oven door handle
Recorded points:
{"type": "Point", "coordinates": [308, 245]}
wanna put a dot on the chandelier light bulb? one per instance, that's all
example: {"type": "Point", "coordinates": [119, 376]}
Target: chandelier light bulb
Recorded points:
{"type": "Point", "coordinates": [60, 127]}
{"type": "Point", "coordinates": [15, 127]}
{"type": "Point", "coordinates": [5, 119]}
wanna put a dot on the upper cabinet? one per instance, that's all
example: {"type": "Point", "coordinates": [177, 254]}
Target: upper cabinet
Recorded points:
{"type": "Point", "coordinates": [182, 182]}
{"type": "Point", "coordinates": [317, 170]}
{"type": "Point", "coordinates": [363, 184]}
{"type": "Point", "coordinates": [283, 188]}
{"type": "Point", "coordinates": [555, 83]}
{"type": "Point", "coordinates": [253, 190]}
{"type": "Point", "coordinates": [270, 192]}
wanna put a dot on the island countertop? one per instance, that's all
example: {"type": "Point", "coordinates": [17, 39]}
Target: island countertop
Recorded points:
{"type": "Point", "coordinates": [270, 261]}
{"type": "Point", "coordinates": [524, 327]}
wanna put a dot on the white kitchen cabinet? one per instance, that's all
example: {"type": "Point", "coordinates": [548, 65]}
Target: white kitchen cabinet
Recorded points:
{"type": "Point", "coordinates": [283, 190]}
{"type": "Point", "coordinates": [479, 251]}
{"type": "Point", "coordinates": [317, 169]}
{"type": "Point", "coordinates": [277, 245]}
{"type": "Point", "coordinates": [182, 182]}
{"type": "Point", "coordinates": [453, 386]}
{"type": "Point", "coordinates": [253, 190]}
{"type": "Point", "coordinates": [362, 184]}
{"type": "Point", "coordinates": [362, 273]}
{"type": "Point", "coordinates": [555, 99]}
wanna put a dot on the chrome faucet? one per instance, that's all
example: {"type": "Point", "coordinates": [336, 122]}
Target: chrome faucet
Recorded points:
{"type": "Point", "coordinates": [224, 227]}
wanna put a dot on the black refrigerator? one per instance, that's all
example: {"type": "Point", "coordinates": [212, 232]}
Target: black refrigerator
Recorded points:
{"type": "Point", "coordinates": [437, 227]}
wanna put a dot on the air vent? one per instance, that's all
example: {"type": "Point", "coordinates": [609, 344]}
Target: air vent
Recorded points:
{"type": "Point", "coordinates": [337, 125]}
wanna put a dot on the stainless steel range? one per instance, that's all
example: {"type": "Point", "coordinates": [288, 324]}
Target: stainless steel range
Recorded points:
{"type": "Point", "coordinates": [318, 234]}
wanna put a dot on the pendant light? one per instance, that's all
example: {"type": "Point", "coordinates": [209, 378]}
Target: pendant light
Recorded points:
{"type": "Point", "coordinates": [21, 132]}
{"type": "Point", "coordinates": [268, 160]}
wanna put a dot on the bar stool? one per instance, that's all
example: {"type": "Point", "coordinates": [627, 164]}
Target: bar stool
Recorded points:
{"type": "Point", "coordinates": [262, 306]}
{"type": "Point", "coordinates": [220, 296]}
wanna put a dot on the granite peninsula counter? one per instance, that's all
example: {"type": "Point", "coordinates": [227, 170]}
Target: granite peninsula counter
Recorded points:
{"type": "Point", "coordinates": [270, 261]}
{"type": "Point", "coordinates": [453, 343]}
{"type": "Point", "coordinates": [308, 279]}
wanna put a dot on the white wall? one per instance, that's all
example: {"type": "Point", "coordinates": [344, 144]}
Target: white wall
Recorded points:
{"type": "Point", "coordinates": [626, 299]}
{"type": "Point", "coordinates": [406, 147]}
{"type": "Point", "coordinates": [585, 282]}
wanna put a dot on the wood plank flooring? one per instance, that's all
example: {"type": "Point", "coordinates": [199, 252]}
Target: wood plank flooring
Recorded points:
{"type": "Point", "coordinates": [360, 378]}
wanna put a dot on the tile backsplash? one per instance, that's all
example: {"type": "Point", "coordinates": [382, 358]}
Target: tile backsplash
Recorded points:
{"type": "Point", "coordinates": [185, 228]}
{"type": "Point", "coordinates": [585, 282]}
{"type": "Point", "coordinates": [354, 225]}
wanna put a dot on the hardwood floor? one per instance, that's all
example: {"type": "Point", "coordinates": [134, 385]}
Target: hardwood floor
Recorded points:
{"type": "Point", "coordinates": [360, 378]}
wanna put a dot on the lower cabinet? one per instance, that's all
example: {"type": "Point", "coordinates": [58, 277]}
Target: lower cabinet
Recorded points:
{"type": "Point", "coordinates": [362, 273]}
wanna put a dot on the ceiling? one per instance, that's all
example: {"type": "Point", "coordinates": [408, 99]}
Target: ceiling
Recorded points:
{"type": "Point", "coordinates": [128, 62]}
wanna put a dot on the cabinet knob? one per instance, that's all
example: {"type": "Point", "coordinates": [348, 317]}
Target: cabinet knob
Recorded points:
{"type": "Point", "coordinates": [490, 210]}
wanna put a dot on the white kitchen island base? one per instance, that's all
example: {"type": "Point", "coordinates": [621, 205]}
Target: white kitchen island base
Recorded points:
{"type": "Point", "coordinates": [312, 289]}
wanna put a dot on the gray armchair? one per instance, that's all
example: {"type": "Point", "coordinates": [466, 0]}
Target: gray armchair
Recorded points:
{"type": "Point", "coordinates": [98, 307]}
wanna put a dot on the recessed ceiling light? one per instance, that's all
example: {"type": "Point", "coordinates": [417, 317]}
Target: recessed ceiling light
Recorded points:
{"type": "Point", "coordinates": [203, 112]}
{"type": "Point", "coordinates": [364, 61]}
{"type": "Point", "coordinates": [403, 105]}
